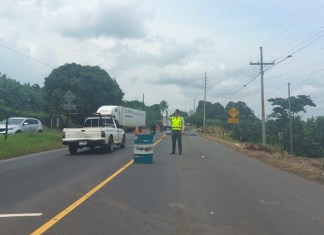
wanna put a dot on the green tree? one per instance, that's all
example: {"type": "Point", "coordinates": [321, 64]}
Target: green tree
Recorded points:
{"type": "Point", "coordinates": [245, 111]}
{"type": "Point", "coordinates": [91, 85]}
{"type": "Point", "coordinates": [297, 104]}
{"type": "Point", "coordinates": [153, 114]}
{"type": "Point", "coordinates": [311, 144]}
{"type": "Point", "coordinates": [34, 96]}
{"type": "Point", "coordinates": [249, 128]}
{"type": "Point", "coordinates": [164, 107]}
{"type": "Point", "coordinates": [208, 108]}
{"type": "Point", "coordinates": [135, 104]}
{"type": "Point", "coordinates": [305, 140]}
{"type": "Point", "coordinates": [217, 111]}
{"type": "Point", "coordinates": [12, 93]}
{"type": "Point", "coordinates": [16, 96]}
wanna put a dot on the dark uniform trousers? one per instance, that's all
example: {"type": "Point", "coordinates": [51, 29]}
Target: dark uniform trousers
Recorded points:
{"type": "Point", "coordinates": [176, 136]}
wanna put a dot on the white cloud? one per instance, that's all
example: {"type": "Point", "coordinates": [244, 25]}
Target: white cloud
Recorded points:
{"type": "Point", "coordinates": [91, 19]}
{"type": "Point", "coordinates": [164, 48]}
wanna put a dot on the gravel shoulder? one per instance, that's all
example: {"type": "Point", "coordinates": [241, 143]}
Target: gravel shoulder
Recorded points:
{"type": "Point", "coordinates": [308, 168]}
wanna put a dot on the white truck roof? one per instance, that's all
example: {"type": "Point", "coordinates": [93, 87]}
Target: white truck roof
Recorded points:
{"type": "Point", "coordinates": [106, 109]}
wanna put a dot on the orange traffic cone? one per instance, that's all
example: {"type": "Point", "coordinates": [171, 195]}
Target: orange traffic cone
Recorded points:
{"type": "Point", "coordinates": [136, 130]}
{"type": "Point", "coordinates": [163, 135]}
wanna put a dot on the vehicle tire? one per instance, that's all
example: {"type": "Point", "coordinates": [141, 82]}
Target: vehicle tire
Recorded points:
{"type": "Point", "coordinates": [110, 146]}
{"type": "Point", "coordinates": [123, 143]}
{"type": "Point", "coordinates": [39, 131]}
{"type": "Point", "coordinates": [73, 149]}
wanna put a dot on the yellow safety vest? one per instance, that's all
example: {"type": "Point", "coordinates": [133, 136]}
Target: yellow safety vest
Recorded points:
{"type": "Point", "coordinates": [176, 123]}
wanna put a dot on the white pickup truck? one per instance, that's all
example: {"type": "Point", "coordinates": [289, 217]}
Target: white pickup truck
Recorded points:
{"type": "Point", "coordinates": [99, 131]}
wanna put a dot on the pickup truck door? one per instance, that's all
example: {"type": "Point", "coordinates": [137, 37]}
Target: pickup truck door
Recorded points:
{"type": "Point", "coordinates": [113, 128]}
{"type": "Point", "coordinates": [118, 134]}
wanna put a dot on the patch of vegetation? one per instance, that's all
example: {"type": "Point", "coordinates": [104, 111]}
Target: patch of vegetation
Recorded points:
{"type": "Point", "coordinates": [260, 147]}
{"type": "Point", "coordinates": [22, 144]}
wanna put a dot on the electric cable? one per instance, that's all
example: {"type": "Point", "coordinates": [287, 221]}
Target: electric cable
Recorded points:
{"type": "Point", "coordinates": [27, 56]}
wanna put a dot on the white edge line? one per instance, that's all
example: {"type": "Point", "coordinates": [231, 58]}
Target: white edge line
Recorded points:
{"type": "Point", "coordinates": [20, 215]}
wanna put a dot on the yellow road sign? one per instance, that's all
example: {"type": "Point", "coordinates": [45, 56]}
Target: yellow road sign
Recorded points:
{"type": "Point", "coordinates": [233, 120]}
{"type": "Point", "coordinates": [233, 112]}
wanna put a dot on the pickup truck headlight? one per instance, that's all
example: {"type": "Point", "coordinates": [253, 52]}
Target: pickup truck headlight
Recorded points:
{"type": "Point", "coordinates": [63, 135]}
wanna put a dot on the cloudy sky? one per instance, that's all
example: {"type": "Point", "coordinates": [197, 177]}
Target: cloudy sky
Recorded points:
{"type": "Point", "coordinates": [163, 49]}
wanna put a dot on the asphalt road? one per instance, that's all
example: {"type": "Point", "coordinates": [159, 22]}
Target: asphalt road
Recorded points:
{"type": "Point", "coordinates": [210, 189]}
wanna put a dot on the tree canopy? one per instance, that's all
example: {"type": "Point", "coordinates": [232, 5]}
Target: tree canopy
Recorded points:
{"type": "Point", "coordinates": [297, 104]}
{"type": "Point", "coordinates": [91, 85]}
{"type": "Point", "coordinates": [16, 96]}
{"type": "Point", "coordinates": [164, 107]}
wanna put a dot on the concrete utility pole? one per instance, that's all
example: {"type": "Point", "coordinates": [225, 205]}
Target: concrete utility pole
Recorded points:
{"type": "Point", "coordinates": [204, 126]}
{"type": "Point", "coordinates": [143, 101]}
{"type": "Point", "coordinates": [264, 140]}
{"type": "Point", "coordinates": [290, 127]}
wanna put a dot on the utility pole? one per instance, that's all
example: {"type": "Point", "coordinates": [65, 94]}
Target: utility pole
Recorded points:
{"type": "Point", "coordinates": [264, 141]}
{"type": "Point", "coordinates": [290, 126]}
{"type": "Point", "coordinates": [194, 111]}
{"type": "Point", "coordinates": [204, 126]}
{"type": "Point", "coordinates": [143, 101]}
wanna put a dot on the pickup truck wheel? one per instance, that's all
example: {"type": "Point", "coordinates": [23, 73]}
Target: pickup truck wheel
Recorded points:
{"type": "Point", "coordinates": [73, 149]}
{"type": "Point", "coordinates": [123, 143]}
{"type": "Point", "coordinates": [110, 147]}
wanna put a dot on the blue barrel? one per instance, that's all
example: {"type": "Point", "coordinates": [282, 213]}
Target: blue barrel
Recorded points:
{"type": "Point", "coordinates": [143, 148]}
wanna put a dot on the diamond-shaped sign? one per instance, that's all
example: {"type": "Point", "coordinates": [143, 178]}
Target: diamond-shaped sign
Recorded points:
{"type": "Point", "coordinates": [233, 112]}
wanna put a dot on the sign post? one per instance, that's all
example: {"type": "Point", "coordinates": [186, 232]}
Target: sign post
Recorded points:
{"type": "Point", "coordinates": [233, 112]}
{"type": "Point", "coordinates": [69, 97]}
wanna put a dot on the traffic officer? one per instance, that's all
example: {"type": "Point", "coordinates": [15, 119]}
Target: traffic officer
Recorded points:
{"type": "Point", "coordinates": [177, 125]}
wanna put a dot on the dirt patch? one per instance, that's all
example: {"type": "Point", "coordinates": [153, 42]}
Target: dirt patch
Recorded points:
{"type": "Point", "coordinates": [308, 168]}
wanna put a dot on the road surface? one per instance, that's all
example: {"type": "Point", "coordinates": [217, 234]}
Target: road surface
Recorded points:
{"type": "Point", "coordinates": [210, 189]}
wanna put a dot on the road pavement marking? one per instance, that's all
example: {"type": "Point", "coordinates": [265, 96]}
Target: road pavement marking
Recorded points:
{"type": "Point", "coordinates": [74, 205]}
{"type": "Point", "coordinates": [157, 142]}
{"type": "Point", "coordinates": [20, 215]}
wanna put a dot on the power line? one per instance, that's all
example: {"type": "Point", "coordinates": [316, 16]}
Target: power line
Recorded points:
{"type": "Point", "coordinates": [295, 22]}
{"type": "Point", "coordinates": [316, 35]}
{"type": "Point", "coordinates": [291, 21]}
{"type": "Point", "coordinates": [288, 19]}
{"type": "Point", "coordinates": [306, 45]}
{"type": "Point", "coordinates": [313, 15]}
{"type": "Point", "coordinates": [27, 56]}
{"type": "Point", "coordinates": [289, 56]}
{"type": "Point", "coordinates": [245, 85]}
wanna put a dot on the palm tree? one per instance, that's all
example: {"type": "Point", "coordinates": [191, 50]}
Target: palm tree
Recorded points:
{"type": "Point", "coordinates": [164, 107]}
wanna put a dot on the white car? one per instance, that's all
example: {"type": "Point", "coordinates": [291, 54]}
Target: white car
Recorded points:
{"type": "Point", "coordinates": [21, 125]}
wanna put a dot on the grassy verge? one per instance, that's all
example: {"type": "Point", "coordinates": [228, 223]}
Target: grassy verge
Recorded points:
{"type": "Point", "coordinates": [22, 144]}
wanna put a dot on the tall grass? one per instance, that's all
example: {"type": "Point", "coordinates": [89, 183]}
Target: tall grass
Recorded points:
{"type": "Point", "coordinates": [22, 144]}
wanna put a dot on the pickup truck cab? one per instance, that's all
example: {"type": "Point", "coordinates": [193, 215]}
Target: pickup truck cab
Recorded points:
{"type": "Point", "coordinates": [101, 131]}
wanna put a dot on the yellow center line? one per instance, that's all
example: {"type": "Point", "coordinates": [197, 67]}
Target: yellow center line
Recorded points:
{"type": "Point", "coordinates": [157, 142]}
{"type": "Point", "coordinates": [74, 205]}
